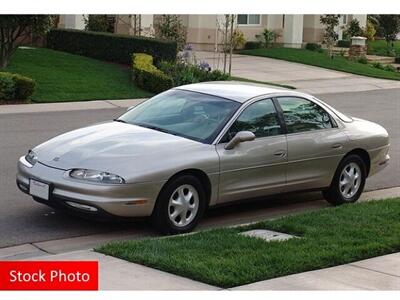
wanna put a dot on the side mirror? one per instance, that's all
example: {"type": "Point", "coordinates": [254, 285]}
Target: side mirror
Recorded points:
{"type": "Point", "coordinates": [240, 137]}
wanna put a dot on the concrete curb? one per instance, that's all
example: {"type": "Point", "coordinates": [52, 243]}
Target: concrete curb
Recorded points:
{"type": "Point", "coordinates": [67, 106]}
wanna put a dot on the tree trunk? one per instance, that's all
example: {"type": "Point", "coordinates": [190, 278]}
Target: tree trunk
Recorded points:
{"type": "Point", "coordinates": [4, 58]}
{"type": "Point", "coordinates": [231, 47]}
{"type": "Point", "coordinates": [225, 40]}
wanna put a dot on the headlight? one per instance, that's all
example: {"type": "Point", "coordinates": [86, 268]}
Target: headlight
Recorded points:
{"type": "Point", "coordinates": [31, 157]}
{"type": "Point", "coordinates": [96, 176]}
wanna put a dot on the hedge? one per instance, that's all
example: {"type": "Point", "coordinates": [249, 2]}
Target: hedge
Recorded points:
{"type": "Point", "coordinates": [147, 76]}
{"type": "Point", "coordinates": [109, 46]}
{"type": "Point", "coordinates": [250, 45]}
{"type": "Point", "coordinates": [313, 47]}
{"type": "Point", "coordinates": [15, 86]}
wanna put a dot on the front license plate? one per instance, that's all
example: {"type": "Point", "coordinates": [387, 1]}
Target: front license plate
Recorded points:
{"type": "Point", "coordinates": [39, 189]}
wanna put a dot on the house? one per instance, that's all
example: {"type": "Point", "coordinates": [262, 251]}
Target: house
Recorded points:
{"type": "Point", "coordinates": [204, 32]}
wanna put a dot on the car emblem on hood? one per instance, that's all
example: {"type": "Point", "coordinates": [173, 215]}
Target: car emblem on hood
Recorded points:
{"type": "Point", "coordinates": [56, 158]}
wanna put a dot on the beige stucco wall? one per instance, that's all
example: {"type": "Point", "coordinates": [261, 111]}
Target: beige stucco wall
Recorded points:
{"type": "Point", "coordinates": [313, 30]}
{"type": "Point", "coordinates": [72, 21]}
{"type": "Point", "coordinates": [202, 30]}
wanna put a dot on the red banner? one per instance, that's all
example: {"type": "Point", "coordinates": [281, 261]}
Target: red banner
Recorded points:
{"type": "Point", "coordinates": [49, 275]}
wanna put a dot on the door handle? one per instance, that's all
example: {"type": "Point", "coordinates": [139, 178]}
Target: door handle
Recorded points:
{"type": "Point", "coordinates": [337, 146]}
{"type": "Point", "coordinates": [280, 153]}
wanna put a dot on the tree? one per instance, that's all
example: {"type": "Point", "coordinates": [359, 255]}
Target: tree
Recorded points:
{"type": "Point", "coordinates": [389, 27]}
{"type": "Point", "coordinates": [17, 29]}
{"type": "Point", "coordinates": [97, 23]}
{"type": "Point", "coordinates": [330, 35]}
{"type": "Point", "coordinates": [170, 27]}
{"type": "Point", "coordinates": [354, 29]}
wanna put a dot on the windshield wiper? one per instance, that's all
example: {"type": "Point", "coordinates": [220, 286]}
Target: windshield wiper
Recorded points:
{"type": "Point", "coordinates": [155, 128]}
{"type": "Point", "coordinates": [119, 120]}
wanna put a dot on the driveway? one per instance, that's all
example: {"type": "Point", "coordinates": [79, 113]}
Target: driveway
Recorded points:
{"type": "Point", "coordinates": [24, 221]}
{"type": "Point", "coordinates": [309, 79]}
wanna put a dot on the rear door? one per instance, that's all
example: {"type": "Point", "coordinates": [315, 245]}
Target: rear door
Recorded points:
{"type": "Point", "coordinates": [316, 144]}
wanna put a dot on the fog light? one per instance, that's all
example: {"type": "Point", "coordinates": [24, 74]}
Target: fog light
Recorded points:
{"type": "Point", "coordinates": [81, 206]}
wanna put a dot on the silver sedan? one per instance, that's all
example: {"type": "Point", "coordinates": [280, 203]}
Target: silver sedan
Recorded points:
{"type": "Point", "coordinates": [204, 144]}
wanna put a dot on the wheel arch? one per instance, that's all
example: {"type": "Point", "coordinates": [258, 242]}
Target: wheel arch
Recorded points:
{"type": "Point", "coordinates": [199, 174]}
{"type": "Point", "coordinates": [363, 154]}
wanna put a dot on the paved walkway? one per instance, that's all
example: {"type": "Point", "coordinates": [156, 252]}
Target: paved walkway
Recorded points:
{"type": "Point", "coordinates": [309, 79]}
{"type": "Point", "coordinates": [379, 273]}
{"type": "Point", "coordinates": [118, 274]}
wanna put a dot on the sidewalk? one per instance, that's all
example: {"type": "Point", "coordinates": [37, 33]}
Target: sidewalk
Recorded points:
{"type": "Point", "coordinates": [117, 274]}
{"type": "Point", "coordinates": [68, 106]}
{"type": "Point", "coordinates": [379, 273]}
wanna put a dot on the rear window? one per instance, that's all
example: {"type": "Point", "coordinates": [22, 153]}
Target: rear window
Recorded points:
{"type": "Point", "coordinates": [340, 115]}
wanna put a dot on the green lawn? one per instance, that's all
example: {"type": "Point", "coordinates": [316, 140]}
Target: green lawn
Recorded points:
{"type": "Point", "coordinates": [221, 257]}
{"type": "Point", "coordinates": [379, 47]}
{"type": "Point", "coordinates": [323, 60]}
{"type": "Point", "coordinates": [62, 76]}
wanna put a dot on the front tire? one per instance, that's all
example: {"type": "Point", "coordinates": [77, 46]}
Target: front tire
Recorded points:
{"type": "Point", "coordinates": [348, 181]}
{"type": "Point", "coordinates": [180, 205]}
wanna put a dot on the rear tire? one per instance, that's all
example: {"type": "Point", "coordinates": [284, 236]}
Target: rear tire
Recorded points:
{"type": "Point", "coordinates": [180, 205]}
{"type": "Point", "coordinates": [348, 181]}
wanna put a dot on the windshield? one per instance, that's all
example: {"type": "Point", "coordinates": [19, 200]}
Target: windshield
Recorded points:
{"type": "Point", "coordinates": [187, 114]}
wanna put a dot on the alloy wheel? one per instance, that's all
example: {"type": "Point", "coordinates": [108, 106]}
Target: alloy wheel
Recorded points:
{"type": "Point", "coordinates": [350, 180]}
{"type": "Point", "coordinates": [183, 205]}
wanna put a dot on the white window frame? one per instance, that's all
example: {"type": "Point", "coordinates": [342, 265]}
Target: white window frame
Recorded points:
{"type": "Point", "coordinates": [259, 23]}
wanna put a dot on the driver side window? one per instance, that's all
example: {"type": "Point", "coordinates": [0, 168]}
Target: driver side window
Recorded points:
{"type": "Point", "coordinates": [260, 118]}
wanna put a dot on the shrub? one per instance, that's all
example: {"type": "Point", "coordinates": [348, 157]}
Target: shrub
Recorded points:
{"type": "Point", "coordinates": [238, 39]}
{"type": "Point", "coordinates": [24, 87]}
{"type": "Point", "coordinates": [109, 46]}
{"type": "Point", "coordinates": [313, 47]}
{"type": "Point", "coordinates": [344, 43]}
{"type": "Point", "coordinates": [378, 65]}
{"type": "Point", "coordinates": [147, 76]}
{"type": "Point", "coordinates": [7, 86]}
{"type": "Point", "coordinates": [15, 86]}
{"type": "Point", "coordinates": [182, 73]}
{"type": "Point", "coordinates": [250, 45]}
{"type": "Point", "coordinates": [369, 31]}
{"type": "Point", "coordinates": [362, 60]}
{"type": "Point", "coordinates": [389, 68]}
{"type": "Point", "coordinates": [270, 37]}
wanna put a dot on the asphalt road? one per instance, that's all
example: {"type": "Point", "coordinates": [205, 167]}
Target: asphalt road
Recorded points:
{"type": "Point", "coordinates": [24, 221]}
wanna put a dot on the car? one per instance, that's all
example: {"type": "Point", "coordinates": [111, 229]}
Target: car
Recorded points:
{"type": "Point", "coordinates": [199, 145]}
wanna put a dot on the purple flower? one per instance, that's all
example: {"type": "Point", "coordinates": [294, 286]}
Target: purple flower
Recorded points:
{"type": "Point", "coordinates": [205, 66]}
{"type": "Point", "coordinates": [188, 47]}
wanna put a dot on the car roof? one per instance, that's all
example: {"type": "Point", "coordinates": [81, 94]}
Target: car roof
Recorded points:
{"type": "Point", "coordinates": [234, 90]}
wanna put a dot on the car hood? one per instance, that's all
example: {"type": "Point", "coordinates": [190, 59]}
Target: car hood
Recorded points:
{"type": "Point", "coordinates": [112, 147]}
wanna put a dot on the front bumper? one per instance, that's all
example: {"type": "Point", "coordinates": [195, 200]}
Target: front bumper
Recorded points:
{"type": "Point", "coordinates": [122, 200]}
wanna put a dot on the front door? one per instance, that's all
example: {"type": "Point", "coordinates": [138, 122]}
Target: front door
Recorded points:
{"type": "Point", "coordinates": [258, 167]}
